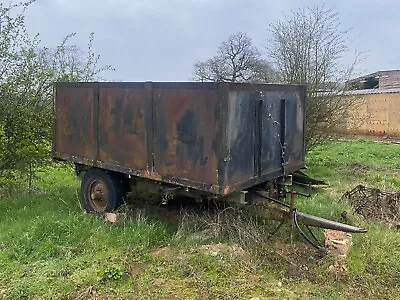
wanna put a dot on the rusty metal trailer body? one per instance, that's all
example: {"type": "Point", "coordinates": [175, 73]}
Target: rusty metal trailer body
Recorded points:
{"type": "Point", "coordinates": [202, 140]}
{"type": "Point", "coordinates": [212, 137]}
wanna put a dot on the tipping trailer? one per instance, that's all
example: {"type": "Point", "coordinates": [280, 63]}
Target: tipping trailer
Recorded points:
{"type": "Point", "coordinates": [206, 140]}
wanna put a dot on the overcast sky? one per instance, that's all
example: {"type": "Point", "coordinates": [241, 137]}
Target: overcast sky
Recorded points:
{"type": "Point", "coordinates": [159, 40]}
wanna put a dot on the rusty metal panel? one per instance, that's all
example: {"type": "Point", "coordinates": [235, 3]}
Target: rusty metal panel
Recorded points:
{"type": "Point", "coordinates": [265, 133]}
{"type": "Point", "coordinates": [186, 122]}
{"type": "Point", "coordinates": [282, 132]}
{"type": "Point", "coordinates": [271, 147]}
{"type": "Point", "coordinates": [74, 122]}
{"type": "Point", "coordinates": [241, 137]}
{"type": "Point", "coordinates": [294, 130]}
{"type": "Point", "coordinates": [212, 137]}
{"type": "Point", "coordinates": [122, 127]}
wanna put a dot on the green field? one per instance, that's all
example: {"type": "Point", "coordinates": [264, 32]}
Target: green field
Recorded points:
{"type": "Point", "coordinates": [50, 249]}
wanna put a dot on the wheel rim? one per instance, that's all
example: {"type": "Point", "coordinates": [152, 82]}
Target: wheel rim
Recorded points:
{"type": "Point", "coordinates": [98, 195]}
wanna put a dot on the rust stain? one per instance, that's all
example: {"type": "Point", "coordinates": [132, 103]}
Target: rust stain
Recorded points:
{"type": "Point", "coordinates": [212, 137]}
{"type": "Point", "coordinates": [74, 121]}
{"type": "Point", "coordinates": [185, 134]}
{"type": "Point", "coordinates": [122, 127]}
{"type": "Point", "coordinates": [152, 175]}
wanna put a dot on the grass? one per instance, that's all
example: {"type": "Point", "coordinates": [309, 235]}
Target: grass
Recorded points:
{"type": "Point", "coordinates": [51, 250]}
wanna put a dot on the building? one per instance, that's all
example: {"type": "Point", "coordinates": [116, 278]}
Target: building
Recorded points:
{"type": "Point", "coordinates": [382, 80]}
{"type": "Point", "coordinates": [378, 104]}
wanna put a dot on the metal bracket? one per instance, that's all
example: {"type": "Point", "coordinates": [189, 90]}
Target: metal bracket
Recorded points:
{"type": "Point", "coordinates": [239, 197]}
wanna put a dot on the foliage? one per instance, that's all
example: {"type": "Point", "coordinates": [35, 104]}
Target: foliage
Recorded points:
{"type": "Point", "coordinates": [113, 272]}
{"type": "Point", "coordinates": [238, 60]}
{"type": "Point", "coordinates": [28, 71]}
{"type": "Point", "coordinates": [51, 250]}
{"type": "Point", "coordinates": [307, 47]}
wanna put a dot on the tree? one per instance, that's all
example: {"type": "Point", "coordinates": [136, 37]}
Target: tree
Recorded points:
{"type": "Point", "coordinates": [238, 60]}
{"type": "Point", "coordinates": [307, 47]}
{"type": "Point", "coordinates": [28, 71]}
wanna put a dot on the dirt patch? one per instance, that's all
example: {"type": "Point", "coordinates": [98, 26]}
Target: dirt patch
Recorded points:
{"type": "Point", "coordinates": [164, 252]}
{"type": "Point", "coordinates": [136, 269]}
{"type": "Point", "coordinates": [211, 249]}
{"type": "Point", "coordinates": [390, 170]}
{"type": "Point", "coordinates": [159, 282]}
{"type": "Point", "coordinates": [296, 254]}
{"type": "Point", "coordinates": [219, 250]}
{"type": "Point", "coordinates": [304, 262]}
{"type": "Point", "coordinates": [297, 257]}
{"type": "Point", "coordinates": [172, 298]}
{"type": "Point", "coordinates": [89, 293]}
{"type": "Point", "coordinates": [215, 249]}
{"type": "Point", "coordinates": [359, 168]}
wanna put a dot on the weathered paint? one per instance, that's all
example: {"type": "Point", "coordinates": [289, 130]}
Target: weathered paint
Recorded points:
{"type": "Point", "coordinates": [74, 119]}
{"type": "Point", "coordinates": [240, 137]}
{"type": "Point", "coordinates": [213, 137]}
{"type": "Point", "coordinates": [122, 127]}
{"type": "Point", "coordinates": [185, 128]}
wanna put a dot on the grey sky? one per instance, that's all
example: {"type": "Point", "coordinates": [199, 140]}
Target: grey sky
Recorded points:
{"type": "Point", "coordinates": [161, 39]}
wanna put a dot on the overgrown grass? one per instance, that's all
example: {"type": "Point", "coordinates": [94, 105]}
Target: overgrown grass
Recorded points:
{"type": "Point", "coordinates": [51, 250]}
{"type": "Point", "coordinates": [374, 259]}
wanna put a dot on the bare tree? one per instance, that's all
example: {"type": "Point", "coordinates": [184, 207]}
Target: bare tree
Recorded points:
{"type": "Point", "coordinates": [307, 47]}
{"type": "Point", "coordinates": [238, 60]}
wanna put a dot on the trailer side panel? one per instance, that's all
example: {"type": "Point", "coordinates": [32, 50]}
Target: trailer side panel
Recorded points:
{"type": "Point", "coordinates": [74, 122]}
{"type": "Point", "coordinates": [213, 137]}
{"type": "Point", "coordinates": [186, 123]}
{"type": "Point", "coordinates": [240, 159]}
{"type": "Point", "coordinates": [122, 127]}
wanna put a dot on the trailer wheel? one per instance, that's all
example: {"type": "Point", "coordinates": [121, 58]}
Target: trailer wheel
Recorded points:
{"type": "Point", "coordinates": [101, 191]}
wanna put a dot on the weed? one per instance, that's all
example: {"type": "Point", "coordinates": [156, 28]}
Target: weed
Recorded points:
{"type": "Point", "coordinates": [50, 249]}
{"type": "Point", "coordinates": [113, 272]}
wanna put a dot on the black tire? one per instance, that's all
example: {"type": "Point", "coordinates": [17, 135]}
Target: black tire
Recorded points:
{"type": "Point", "coordinates": [101, 191]}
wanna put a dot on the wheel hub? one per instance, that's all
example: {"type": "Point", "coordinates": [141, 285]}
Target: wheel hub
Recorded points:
{"type": "Point", "coordinates": [98, 195]}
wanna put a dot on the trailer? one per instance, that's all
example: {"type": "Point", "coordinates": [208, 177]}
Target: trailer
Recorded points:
{"type": "Point", "coordinates": [205, 140]}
